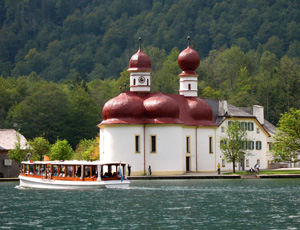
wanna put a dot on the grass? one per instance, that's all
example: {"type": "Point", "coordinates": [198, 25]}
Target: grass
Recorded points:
{"type": "Point", "coordinates": [269, 172]}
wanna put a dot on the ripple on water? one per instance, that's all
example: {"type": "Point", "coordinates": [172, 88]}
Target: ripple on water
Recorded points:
{"type": "Point", "coordinates": [178, 204]}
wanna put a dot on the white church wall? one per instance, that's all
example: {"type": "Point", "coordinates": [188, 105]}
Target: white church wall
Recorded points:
{"type": "Point", "coordinates": [206, 149]}
{"type": "Point", "coordinates": [168, 156]}
{"type": "Point", "coordinates": [189, 151]}
{"type": "Point", "coordinates": [117, 143]}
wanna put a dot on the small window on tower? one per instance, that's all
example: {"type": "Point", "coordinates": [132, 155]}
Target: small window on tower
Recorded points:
{"type": "Point", "coordinates": [189, 86]}
{"type": "Point", "coordinates": [133, 81]}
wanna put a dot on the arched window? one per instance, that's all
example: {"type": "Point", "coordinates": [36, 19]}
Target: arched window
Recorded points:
{"type": "Point", "coordinates": [189, 86]}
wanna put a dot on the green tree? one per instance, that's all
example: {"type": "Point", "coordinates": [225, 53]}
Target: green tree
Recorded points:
{"type": "Point", "coordinates": [39, 147]}
{"type": "Point", "coordinates": [44, 113]}
{"type": "Point", "coordinates": [61, 150]}
{"type": "Point", "coordinates": [83, 116]}
{"type": "Point", "coordinates": [286, 146]}
{"type": "Point", "coordinates": [17, 154]}
{"type": "Point", "coordinates": [231, 144]}
{"type": "Point", "coordinates": [86, 150]}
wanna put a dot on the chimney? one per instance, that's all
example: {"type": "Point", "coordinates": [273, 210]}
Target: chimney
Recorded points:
{"type": "Point", "coordinates": [222, 108]}
{"type": "Point", "coordinates": [258, 112]}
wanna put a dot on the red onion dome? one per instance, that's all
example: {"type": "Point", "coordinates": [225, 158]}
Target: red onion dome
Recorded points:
{"type": "Point", "coordinates": [188, 61]}
{"type": "Point", "coordinates": [140, 62]}
{"type": "Point", "coordinates": [199, 109]}
{"type": "Point", "coordinates": [126, 105]}
{"type": "Point", "coordinates": [160, 105]}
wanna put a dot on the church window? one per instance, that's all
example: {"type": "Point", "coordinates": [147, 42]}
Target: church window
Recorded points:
{"type": "Point", "coordinates": [137, 143]}
{"type": "Point", "coordinates": [189, 86]}
{"type": "Point", "coordinates": [133, 81]}
{"type": "Point", "coordinates": [147, 81]}
{"type": "Point", "coordinates": [188, 150]}
{"type": "Point", "coordinates": [210, 144]}
{"type": "Point", "coordinates": [153, 144]}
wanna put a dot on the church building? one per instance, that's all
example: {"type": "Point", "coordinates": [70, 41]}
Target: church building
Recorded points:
{"type": "Point", "coordinates": [176, 133]}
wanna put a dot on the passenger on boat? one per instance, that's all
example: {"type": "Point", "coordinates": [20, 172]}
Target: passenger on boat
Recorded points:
{"type": "Point", "coordinates": [78, 173]}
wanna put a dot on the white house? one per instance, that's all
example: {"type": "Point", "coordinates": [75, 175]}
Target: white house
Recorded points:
{"type": "Point", "coordinates": [175, 133]}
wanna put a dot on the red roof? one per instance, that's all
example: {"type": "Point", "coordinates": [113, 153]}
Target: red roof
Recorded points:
{"type": "Point", "coordinates": [157, 108]}
{"type": "Point", "coordinates": [140, 62]}
{"type": "Point", "coordinates": [188, 60]}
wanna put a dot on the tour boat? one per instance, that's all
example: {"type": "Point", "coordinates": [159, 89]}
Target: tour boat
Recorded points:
{"type": "Point", "coordinates": [73, 174]}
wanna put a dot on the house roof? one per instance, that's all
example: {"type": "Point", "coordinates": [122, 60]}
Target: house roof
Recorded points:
{"type": "Point", "coordinates": [8, 139]}
{"type": "Point", "coordinates": [234, 111]}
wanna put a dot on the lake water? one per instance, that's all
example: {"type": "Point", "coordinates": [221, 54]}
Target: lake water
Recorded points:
{"type": "Point", "coordinates": [156, 204]}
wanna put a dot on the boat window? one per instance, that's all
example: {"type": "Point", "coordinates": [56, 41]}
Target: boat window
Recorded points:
{"type": "Point", "coordinates": [69, 171]}
{"type": "Point", "coordinates": [55, 170]}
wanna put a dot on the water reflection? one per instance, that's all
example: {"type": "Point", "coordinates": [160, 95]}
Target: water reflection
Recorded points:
{"type": "Point", "coordinates": [165, 204]}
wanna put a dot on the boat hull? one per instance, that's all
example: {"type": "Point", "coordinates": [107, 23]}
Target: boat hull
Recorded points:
{"type": "Point", "coordinates": [44, 183]}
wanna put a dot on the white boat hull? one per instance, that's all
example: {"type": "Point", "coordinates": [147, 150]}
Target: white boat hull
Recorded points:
{"type": "Point", "coordinates": [31, 182]}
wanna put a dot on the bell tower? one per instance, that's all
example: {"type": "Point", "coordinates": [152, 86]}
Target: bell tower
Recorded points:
{"type": "Point", "coordinates": [188, 61]}
{"type": "Point", "coordinates": [140, 69]}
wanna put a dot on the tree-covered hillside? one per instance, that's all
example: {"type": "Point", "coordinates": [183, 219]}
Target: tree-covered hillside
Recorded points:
{"type": "Point", "coordinates": [61, 60]}
{"type": "Point", "coordinates": [60, 38]}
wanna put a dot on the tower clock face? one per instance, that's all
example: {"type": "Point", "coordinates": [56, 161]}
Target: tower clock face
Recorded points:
{"type": "Point", "coordinates": [142, 79]}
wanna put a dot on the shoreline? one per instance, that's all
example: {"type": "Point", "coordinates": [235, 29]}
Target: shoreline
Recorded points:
{"type": "Point", "coordinates": [200, 176]}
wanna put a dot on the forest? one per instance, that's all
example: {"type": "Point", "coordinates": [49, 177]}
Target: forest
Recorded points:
{"type": "Point", "coordinates": [61, 60]}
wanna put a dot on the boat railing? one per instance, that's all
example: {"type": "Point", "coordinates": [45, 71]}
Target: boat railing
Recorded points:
{"type": "Point", "coordinates": [72, 172]}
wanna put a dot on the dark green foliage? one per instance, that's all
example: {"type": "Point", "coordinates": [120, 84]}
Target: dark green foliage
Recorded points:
{"type": "Point", "coordinates": [55, 37]}
{"type": "Point", "coordinates": [61, 60]}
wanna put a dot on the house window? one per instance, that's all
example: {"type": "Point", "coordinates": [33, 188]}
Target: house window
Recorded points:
{"type": "Point", "coordinates": [247, 163]}
{"type": "Point", "coordinates": [243, 125]}
{"type": "Point", "coordinates": [222, 129]}
{"type": "Point", "coordinates": [153, 144]}
{"type": "Point", "coordinates": [250, 145]}
{"type": "Point", "coordinates": [257, 130]}
{"type": "Point", "coordinates": [244, 145]}
{"type": "Point", "coordinates": [250, 126]}
{"type": "Point", "coordinates": [258, 145]}
{"type": "Point", "coordinates": [223, 162]}
{"type": "Point", "coordinates": [188, 145]}
{"type": "Point", "coordinates": [229, 122]}
{"type": "Point", "coordinates": [210, 145]}
{"type": "Point", "coordinates": [137, 143]}
{"type": "Point", "coordinates": [258, 162]}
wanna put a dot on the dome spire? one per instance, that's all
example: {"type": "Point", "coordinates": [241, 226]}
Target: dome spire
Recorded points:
{"type": "Point", "coordinates": [188, 61]}
{"type": "Point", "coordinates": [140, 44]}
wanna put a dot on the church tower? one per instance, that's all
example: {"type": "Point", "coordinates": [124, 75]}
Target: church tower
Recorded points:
{"type": "Point", "coordinates": [140, 69]}
{"type": "Point", "coordinates": [188, 61]}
